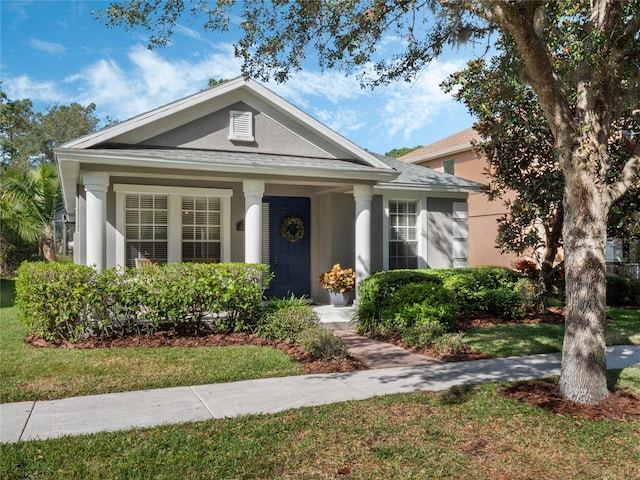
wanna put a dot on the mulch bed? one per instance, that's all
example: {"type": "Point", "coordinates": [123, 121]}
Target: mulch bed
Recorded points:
{"type": "Point", "coordinates": [173, 339]}
{"type": "Point", "coordinates": [619, 406]}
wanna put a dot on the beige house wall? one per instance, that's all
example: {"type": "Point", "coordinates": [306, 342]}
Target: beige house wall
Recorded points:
{"type": "Point", "coordinates": [483, 213]}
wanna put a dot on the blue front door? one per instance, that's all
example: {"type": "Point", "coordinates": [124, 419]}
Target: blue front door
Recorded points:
{"type": "Point", "coordinates": [289, 246]}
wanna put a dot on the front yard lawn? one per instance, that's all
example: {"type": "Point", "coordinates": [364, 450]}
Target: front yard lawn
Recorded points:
{"type": "Point", "coordinates": [515, 339]}
{"type": "Point", "coordinates": [464, 433]}
{"type": "Point", "coordinates": [30, 373]}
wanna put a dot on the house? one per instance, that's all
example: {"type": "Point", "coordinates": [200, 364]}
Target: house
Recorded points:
{"type": "Point", "coordinates": [237, 174]}
{"type": "Point", "coordinates": [454, 155]}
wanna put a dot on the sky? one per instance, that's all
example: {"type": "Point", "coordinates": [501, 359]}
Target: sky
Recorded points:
{"type": "Point", "coordinates": [57, 52]}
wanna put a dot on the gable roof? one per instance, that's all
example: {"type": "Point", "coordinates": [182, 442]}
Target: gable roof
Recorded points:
{"type": "Point", "coordinates": [458, 142]}
{"type": "Point", "coordinates": [195, 106]}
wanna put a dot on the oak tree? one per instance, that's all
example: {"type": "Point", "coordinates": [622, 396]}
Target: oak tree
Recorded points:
{"type": "Point", "coordinates": [581, 58]}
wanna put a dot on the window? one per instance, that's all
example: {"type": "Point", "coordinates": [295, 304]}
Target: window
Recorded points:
{"type": "Point", "coordinates": [172, 224]}
{"type": "Point", "coordinates": [201, 228]}
{"type": "Point", "coordinates": [448, 166]}
{"type": "Point", "coordinates": [146, 227]}
{"type": "Point", "coordinates": [403, 243]}
{"type": "Point", "coordinates": [241, 126]}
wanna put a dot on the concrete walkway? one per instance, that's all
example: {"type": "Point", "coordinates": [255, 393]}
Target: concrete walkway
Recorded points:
{"type": "Point", "coordinates": [121, 411]}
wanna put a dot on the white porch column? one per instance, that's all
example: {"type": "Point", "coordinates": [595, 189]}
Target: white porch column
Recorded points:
{"type": "Point", "coordinates": [253, 191]}
{"type": "Point", "coordinates": [363, 195]}
{"type": "Point", "coordinates": [96, 185]}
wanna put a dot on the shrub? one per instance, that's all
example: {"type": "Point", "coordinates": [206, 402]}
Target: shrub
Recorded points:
{"type": "Point", "coordinates": [298, 323]}
{"type": "Point", "coordinates": [277, 303]}
{"type": "Point", "coordinates": [287, 324]}
{"type": "Point", "coordinates": [424, 332]}
{"type": "Point", "coordinates": [532, 295]}
{"type": "Point", "coordinates": [622, 291]}
{"type": "Point", "coordinates": [449, 344]}
{"type": "Point", "coordinates": [469, 286]}
{"type": "Point", "coordinates": [58, 301]}
{"type": "Point", "coordinates": [503, 302]}
{"type": "Point", "coordinates": [66, 301]}
{"type": "Point", "coordinates": [376, 294]}
{"type": "Point", "coordinates": [322, 344]}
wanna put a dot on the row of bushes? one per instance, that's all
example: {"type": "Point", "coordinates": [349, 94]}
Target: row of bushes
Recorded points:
{"type": "Point", "coordinates": [622, 291]}
{"type": "Point", "coordinates": [422, 306]}
{"type": "Point", "coordinates": [62, 301]}
{"type": "Point", "coordinates": [70, 302]}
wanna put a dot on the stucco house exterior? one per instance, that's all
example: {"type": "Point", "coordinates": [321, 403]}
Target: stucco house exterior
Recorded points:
{"type": "Point", "coordinates": [454, 155]}
{"type": "Point", "coordinates": [237, 174]}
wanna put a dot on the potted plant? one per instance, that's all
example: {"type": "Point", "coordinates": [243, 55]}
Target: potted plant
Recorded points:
{"type": "Point", "coordinates": [339, 282]}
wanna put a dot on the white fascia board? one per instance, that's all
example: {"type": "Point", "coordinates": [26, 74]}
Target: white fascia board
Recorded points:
{"type": "Point", "coordinates": [69, 175]}
{"type": "Point", "coordinates": [441, 153]}
{"type": "Point", "coordinates": [117, 159]}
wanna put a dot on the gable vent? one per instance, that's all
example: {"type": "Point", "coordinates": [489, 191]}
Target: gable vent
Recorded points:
{"type": "Point", "coordinates": [240, 126]}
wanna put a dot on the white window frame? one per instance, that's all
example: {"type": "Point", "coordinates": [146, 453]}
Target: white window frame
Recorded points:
{"type": "Point", "coordinates": [421, 228]}
{"type": "Point", "coordinates": [174, 220]}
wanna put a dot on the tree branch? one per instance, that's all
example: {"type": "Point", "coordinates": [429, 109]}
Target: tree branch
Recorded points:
{"type": "Point", "coordinates": [519, 20]}
{"type": "Point", "coordinates": [630, 174]}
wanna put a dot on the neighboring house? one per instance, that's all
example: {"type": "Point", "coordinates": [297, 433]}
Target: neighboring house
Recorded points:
{"type": "Point", "coordinates": [453, 155]}
{"type": "Point", "coordinates": [237, 174]}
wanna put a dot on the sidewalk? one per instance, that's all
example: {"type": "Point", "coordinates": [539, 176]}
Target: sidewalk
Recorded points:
{"type": "Point", "coordinates": [120, 411]}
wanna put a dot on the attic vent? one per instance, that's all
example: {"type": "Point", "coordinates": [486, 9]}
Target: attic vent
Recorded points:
{"type": "Point", "coordinates": [240, 126]}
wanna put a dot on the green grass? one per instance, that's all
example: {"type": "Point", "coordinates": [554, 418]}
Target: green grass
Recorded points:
{"type": "Point", "coordinates": [474, 434]}
{"type": "Point", "coordinates": [30, 373]}
{"type": "Point", "coordinates": [530, 339]}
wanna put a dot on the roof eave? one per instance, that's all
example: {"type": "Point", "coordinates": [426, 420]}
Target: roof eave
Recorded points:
{"type": "Point", "coordinates": [440, 153]}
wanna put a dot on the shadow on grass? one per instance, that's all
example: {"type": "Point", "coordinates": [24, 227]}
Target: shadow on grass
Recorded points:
{"type": "Point", "coordinates": [458, 395]}
{"type": "Point", "coordinates": [7, 293]}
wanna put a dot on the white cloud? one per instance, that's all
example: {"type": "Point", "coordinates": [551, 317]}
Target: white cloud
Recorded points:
{"type": "Point", "coordinates": [47, 47]}
{"type": "Point", "coordinates": [334, 87]}
{"type": "Point", "coordinates": [408, 107]}
{"type": "Point", "coordinates": [22, 87]}
{"type": "Point", "coordinates": [343, 120]}
{"type": "Point", "coordinates": [149, 81]}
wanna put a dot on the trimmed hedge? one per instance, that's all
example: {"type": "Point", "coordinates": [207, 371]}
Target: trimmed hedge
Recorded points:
{"type": "Point", "coordinates": [423, 305]}
{"type": "Point", "coordinates": [70, 302]}
{"type": "Point", "coordinates": [471, 286]}
{"type": "Point", "coordinates": [622, 291]}
{"type": "Point", "coordinates": [375, 293]}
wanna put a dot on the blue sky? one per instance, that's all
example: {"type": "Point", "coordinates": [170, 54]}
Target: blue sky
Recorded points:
{"type": "Point", "coordinates": [57, 52]}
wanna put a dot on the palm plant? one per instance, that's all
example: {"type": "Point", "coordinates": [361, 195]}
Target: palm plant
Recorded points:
{"type": "Point", "coordinates": [28, 203]}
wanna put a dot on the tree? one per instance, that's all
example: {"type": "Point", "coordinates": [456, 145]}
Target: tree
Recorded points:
{"type": "Point", "coordinates": [16, 118]}
{"type": "Point", "coordinates": [29, 138]}
{"type": "Point", "coordinates": [28, 203]}
{"type": "Point", "coordinates": [29, 180]}
{"type": "Point", "coordinates": [519, 149]}
{"type": "Point", "coordinates": [398, 152]}
{"type": "Point", "coordinates": [581, 58]}
{"type": "Point", "coordinates": [58, 125]}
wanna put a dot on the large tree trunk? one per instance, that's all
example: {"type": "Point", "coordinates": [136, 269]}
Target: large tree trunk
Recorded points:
{"type": "Point", "coordinates": [583, 372]}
